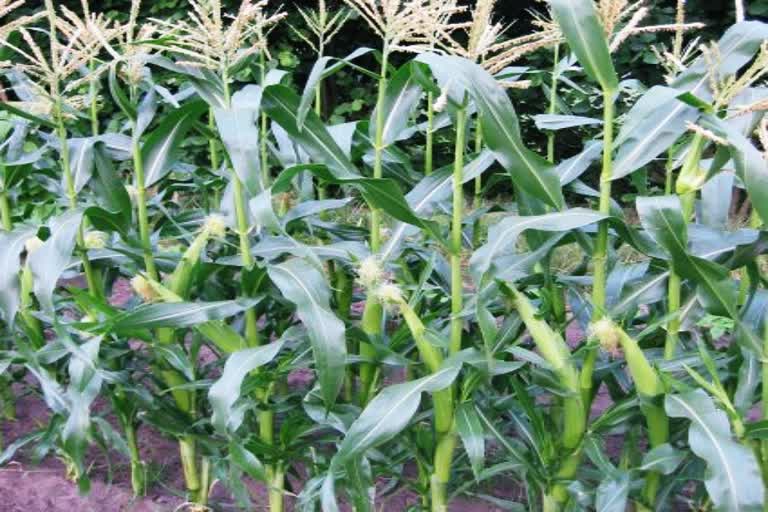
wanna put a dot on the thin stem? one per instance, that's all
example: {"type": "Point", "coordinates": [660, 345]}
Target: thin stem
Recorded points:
{"type": "Point", "coordinates": [69, 185]}
{"type": "Point", "coordinates": [213, 145]}
{"type": "Point", "coordinates": [687, 200]}
{"type": "Point", "coordinates": [457, 284]}
{"type": "Point", "coordinates": [477, 199]}
{"type": "Point", "coordinates": [252, 336]}
{"type": "Point", "coordinates": [322, 192]}
{"type": "Point", "coordinates": [94, 105]}
{"type": "Point", "coordinates": [669, 178]}
{"type": "Point", "coordinates": [601, 246]}
{"type": "Point", "coordinates": [553, 104]}
{"type": "Point", "coordinates": [241, 215]}
{"type": "Point", "coordinates": [264, 125]}
{"type": "Point", "coordinates": [138, 470]}
{"type": "Point", "coordinates": [600, 257]}
{"type": "Point", "coordinates": [446, 437]}
{"type": "Point", "coordinates": [372, 314]}
{"type": "Point", "coordinates": [276, 482]}
{"type": "Point", "coordinates": [6, 393]}
{"type": "Point", "coordinates": [428, 150]}
{"type": "Point", "coordinates": [141, 207]}
{"type": "Point", "coordinates": [379, 151]}
{"type": "Point", "coordinates": [5, 210]}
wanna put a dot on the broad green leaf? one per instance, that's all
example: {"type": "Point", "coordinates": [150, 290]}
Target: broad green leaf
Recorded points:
{"type": "Point", "coordinates": [663, 459]}
{"type": "Point", "coordinates": [554, 122]}
{"type": "Point", "coordinates": [161, 148]}
{"type": "Point", "coordinates": [24, 114]}
{"type": "Point", "coordinates": [391, 411]}
{"type": "Point", "coordinates": [662, 218]}
{"type": "Point", "coordinates": [733, 478]}
{"type": "Point", "coordinates": [239, 129]}
{"type": "Point", "coordinates": [176, 357]}
{"type": "Point", "coordinates": [750, 165]}
{"type": "Point", "coordinates": [205, 82]}
{"type": "Point", "coordinates": [612, 493]}
{"type": "Point", "coordinates": [756, 430]}
{"type": "Point", "coordinates": [109, 187]}
{"type": "Point", "coordinates": [103, 220]}
{"type": "Point", "coordinates": [716, 201]}
{"type": "Point", "coordinates": [320, 71]}
{"type": "Point", "coordinates": [402, 95]}
{"type": "Point", "coordinates": [380, 193]}
{"type": "Point", "coordinates": [53, 257]}
{"type": "Point", "coordinates": [306, 287]}
{"type": "Point", "coordinates": [84, 386]}
{"type": "Point", "coordinates": [750, 369]}
{"type": "Point", "coordinates": [272, 247]}
{"type": "Point", "coordinates": [580, 24]}
{"type": "Point", "coordinates": [430, 191]}
{"type": "Point", "coordinates": [488, 330]}
{"type": "Point", "coordinates": [118, 94]}
{"type": "Point", "coordinates": [179, 314]}
{"type": "Point", "coordinates": [245, 460]}
{"type": "Point", "coordinates": [11, 247]}
{"type": "Point", "coordinates": [502, 237]}
{"type": "Point", "coordinates": [311, 208]}
{"type": "Point", "coordinates": [735, 49]}
{"type": "Point", "coordinates": [472, 436]}
{"type": "Point", "coordinates": [500, 127]}
{"type": "Point", "coordinates": [146, 112]}
{"type": "Point", "coordinates": [226, 390]}
{"type": "Point", "coordinates": [570, 169]}
{"type": "Point", "coordinates": [282, 104]}
{"type": "Point", "coordinates": [81, 160]}
{"type": "Point", "coordinates": [652, 126]}
{"type": "Point", "coordinates": [659, 118]}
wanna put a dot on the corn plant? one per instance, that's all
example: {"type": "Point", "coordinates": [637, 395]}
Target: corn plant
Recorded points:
{"type": "Point", "coordinates": [341, 312]}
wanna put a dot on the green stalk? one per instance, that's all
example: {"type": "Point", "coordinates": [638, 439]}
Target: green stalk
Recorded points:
{"type": "Point", "coordinates": [685, 188]}
{"type": "Point", "coordinates": [138, 469]}
{"type": "Point", "coordinates": [456, 233]}
{"type": "Point", "coordinates": [6, 214]}
{"type": "Point", "coordinates": [94, 106]}
{"type": "Point", "coordinates": [553, 104]}
{"type": "Point", "coordinates": [444, 421]}
{"type": "Point", "coordinates": [443, 405]}
{"type": "Point", "coordinates": [428, 151]}
{"type": "Point", "coordinates": [252, 336]}
{"type": "Point", "coordinates": [264, 124]}
{"type": "Point", "coordinates": [69, 183]}
{"type": "Point", "coordinates": [600, 256]}
{"type": "Point", "coordinates": [649, 388]}
{"type": "Point", "coordinates": [373, 312]}
{"type": "Point", "coordinates": [321, 189]}
{"type": "Point", "coordinates": [555, 351]}
{"type": "Point", "coordinates": [241, 216]}
{"type": "Point", "coordinates": [276, 481]}
{"type": "Point", "coordinates": [141, 208]}
{"type": "Point", "coordinates": [213, 145]}
{"type": "Point", "coordinates": [477, 199]}
{"type": "Point", "coordinates": [669, 177]}
{"type": "Point", "coordinates": [6, 393]}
